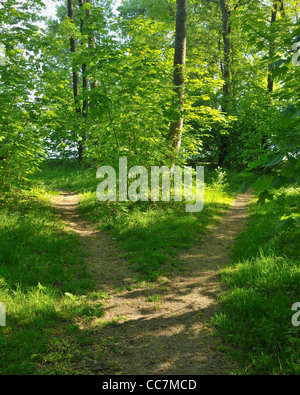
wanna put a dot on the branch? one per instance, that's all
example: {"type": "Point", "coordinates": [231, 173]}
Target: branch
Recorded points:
{"type": "Point", "coordinates": [238, 4]}
{"type": "Point", "coordinates": [282, 9]}
{"type": "Point", "coordinates": [212, 1]}
{"type": "Point", "coordinates": [171, 11]}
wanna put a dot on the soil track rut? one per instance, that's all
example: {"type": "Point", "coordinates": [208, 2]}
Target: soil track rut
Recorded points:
{"type": "Point", "coordinates": [162, 329]}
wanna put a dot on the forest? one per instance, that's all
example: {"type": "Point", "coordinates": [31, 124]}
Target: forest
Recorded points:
{"type": "Point", "coordinates": [123, 287]}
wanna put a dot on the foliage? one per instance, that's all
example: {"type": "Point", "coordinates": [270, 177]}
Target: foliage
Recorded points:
{"type": "Point", "coordinates": [20, 138]}
{"type": "Point", "coordinates": [280, 166]}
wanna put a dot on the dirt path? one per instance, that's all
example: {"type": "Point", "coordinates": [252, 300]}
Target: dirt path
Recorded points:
{"type": "Point", "coordinates": [162, 329]}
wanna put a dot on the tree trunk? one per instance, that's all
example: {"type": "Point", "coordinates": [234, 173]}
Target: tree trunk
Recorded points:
{"type": "Point", "coordinates": [85, 81]}
{"type": "Point", "coordinates": [75, 75]}
{"type": "Point", "coordinates": [272, 47]}
{"type": "Point", "coordinates": [91, 44]}
{"type": "Point", "coordinates": [270, 84]}
{"type": "Point", "coordinates": [85, 105]}
{"type": "Point", "coordinates": [226, 32]}
{"type": "Point", "coordinates": [175, 131]}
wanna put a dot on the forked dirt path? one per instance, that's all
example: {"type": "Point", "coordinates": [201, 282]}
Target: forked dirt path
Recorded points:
{"type": "Point", "coordinates": [162, 329]}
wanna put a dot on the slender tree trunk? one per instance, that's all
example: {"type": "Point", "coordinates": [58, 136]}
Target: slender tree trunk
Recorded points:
{"type": "Point", "coordinates": [226, 33]}
{"type": "Point", "coordinates": [272, 47]}
{"type": "Point", "coordinates": [85, 81]}
{"type": "Point", "coordinates": [270, 83]}
{"type": "Point", "coordinates": [75, 75]}
{"type": "Point", "coordinates": [175, 131]}
{"type": "Point", "coordinates": [85, 104]}
{"type": "Point", "coordinates": [91, 44]}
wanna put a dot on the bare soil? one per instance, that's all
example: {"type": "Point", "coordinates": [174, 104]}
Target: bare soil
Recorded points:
{"type": "Point", "coordinates": [162, 329]}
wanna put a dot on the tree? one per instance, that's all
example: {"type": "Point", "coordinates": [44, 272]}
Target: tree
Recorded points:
{"type": "Point", "coordinates": [175, 131]}
{"type": "Point", "coordinates": [85, 85]}
{"type": "Point", "coordinates": [75, 80]}
{"type": "Point", "coordinates": [272, 51]}
{"type": "Point", "coordinates": [20, 121]}
{"type": "Point", "coordinates": [226, 34]}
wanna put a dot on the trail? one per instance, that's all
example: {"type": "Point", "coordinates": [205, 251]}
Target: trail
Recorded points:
{"type": "Point", "coordinates": [167, 334]}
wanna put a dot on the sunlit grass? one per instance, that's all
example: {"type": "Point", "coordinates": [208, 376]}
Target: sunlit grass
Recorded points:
{"type": "Point", "coordinates": [263, 284]}
{"type": "Point", "coordinates": [151, 233]}
{"type": "Point", "coordinates": [44, 282]}
{"type": "Point", "coordinates": [41, 273]}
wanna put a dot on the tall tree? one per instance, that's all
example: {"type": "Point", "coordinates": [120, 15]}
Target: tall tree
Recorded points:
{"type": "Point", "coordinates": [272, 46]}
{"type": "Point", "coordinates": [75, 77]}
{"type": "Point", "coordinates": [91, 40]}
{"type": "Point", "coordinates": [226, 32]}
{"type": "Point", "coordinates": [270, 83]}
{"type": "Point", "coordinates": [226, 70]}
{"type": "Point", "coordinates": [85, 85]}
{"type": "Point", "coordinates": [175, 131]}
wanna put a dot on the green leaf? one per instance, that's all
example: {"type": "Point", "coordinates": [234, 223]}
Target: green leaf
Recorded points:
{"type": "Point", "coordinates": [265, 195]}
{"type": "Point", "coordinates": [297, 114]}
{"type": "Point", "coordinates": [244, 187]}
{"type": "Point", "coordinates": [276, 159]}
{"type": "Point", "coordinates": [279, 181]}
{"type": "Point", "coordinates": [263, 183]}
{"type": "Point", "coordinates": [285, 224]}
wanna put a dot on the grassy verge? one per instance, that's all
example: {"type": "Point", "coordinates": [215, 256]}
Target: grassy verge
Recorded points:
{"type": "Point", "coordinates": [263, 284]}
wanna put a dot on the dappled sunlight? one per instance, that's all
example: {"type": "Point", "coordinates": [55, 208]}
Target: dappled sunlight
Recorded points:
{"type": "Point", "coordinates": [166, 344]}
{"type": "Point", "coordinates": [162, 328]}
{"type": "Point", "coordinates": [159, 326]}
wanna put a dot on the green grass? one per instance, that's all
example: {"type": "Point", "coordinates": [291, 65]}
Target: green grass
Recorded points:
{"type": "Point", "coordinates": [34, 246]}
{"type": "Point", "coordinates": [65, 175]}
{"type": "Point", "coordinates": [263, 284]}
{"type": "Point", "coordinates": [151, 233]}
{"type": "Point", "coordinates": [47, 290]}
{"type": "Point", "coordinates": [44, 285]}
{"type": "Point", "coordinates": [44, 282]}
